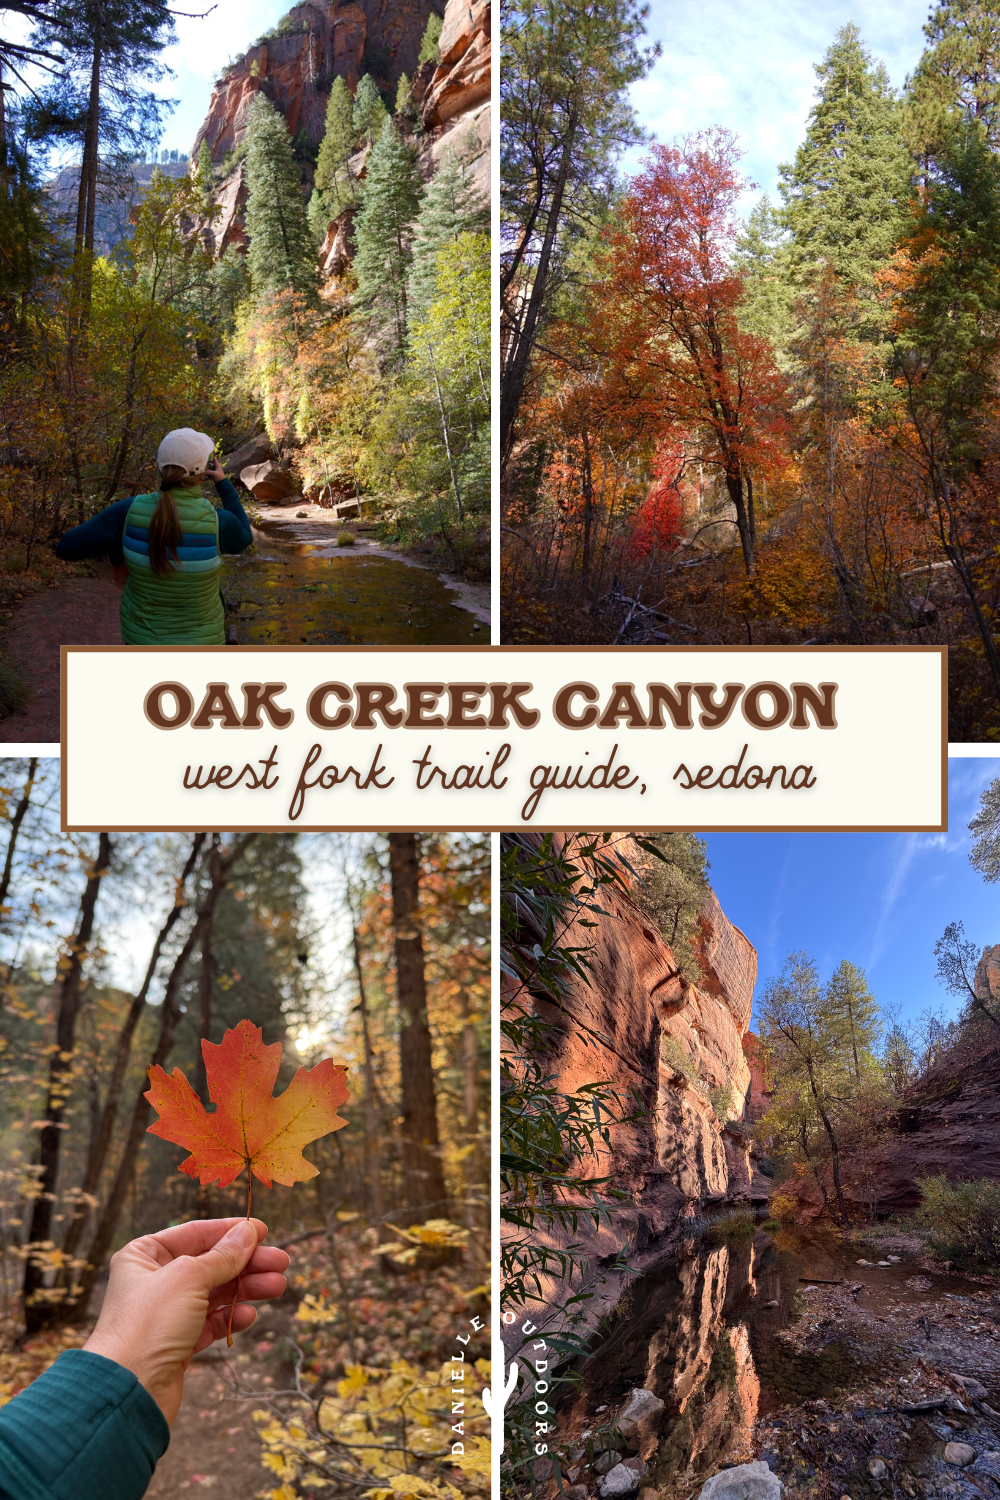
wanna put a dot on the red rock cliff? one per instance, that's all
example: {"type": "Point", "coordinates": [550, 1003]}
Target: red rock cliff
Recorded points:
{"type": "Point", "coordinates": [675, 1046]}
{"type": "Point", "coordinates": [297, 67]}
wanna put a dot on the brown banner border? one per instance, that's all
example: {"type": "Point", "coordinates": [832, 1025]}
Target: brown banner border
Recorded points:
{"type": "Point", "coordinates": [483, 652]}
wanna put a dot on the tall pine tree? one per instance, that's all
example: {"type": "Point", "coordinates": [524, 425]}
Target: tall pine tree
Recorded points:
{"type": "Point", "coordinates": [846, 193]}
{"type": "Point", "coordinates": [383, 233]}
{"type": "Point", "coordinates": [960, 69]}
{"type": "Point", "coordinates": [281, 252]}
{"type": "Point", "coordinates": [450, 207]}
{"type": "Point", "coordinates": [335, 188]}
{"type": "Point", "coordinates": [369, 113]}
{"type": "Point", "coordinates": [106, 47]}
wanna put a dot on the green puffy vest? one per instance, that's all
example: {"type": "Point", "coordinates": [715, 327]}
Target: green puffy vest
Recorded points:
{"type": "Point", "coordinates": [184, 607]}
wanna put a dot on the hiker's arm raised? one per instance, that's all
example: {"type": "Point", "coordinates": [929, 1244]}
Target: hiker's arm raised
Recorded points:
{"type": "Point", "coordinates": [235, 534]}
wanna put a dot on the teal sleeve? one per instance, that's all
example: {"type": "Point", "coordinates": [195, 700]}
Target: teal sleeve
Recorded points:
{"type": "Point", "coordinates": [85, 1430]}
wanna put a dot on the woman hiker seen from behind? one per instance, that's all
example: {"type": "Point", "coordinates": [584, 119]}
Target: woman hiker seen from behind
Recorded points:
{"type": "Point", "coordinates": [169, 546]}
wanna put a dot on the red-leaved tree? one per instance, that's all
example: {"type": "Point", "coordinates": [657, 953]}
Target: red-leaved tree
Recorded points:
{"type": "Point", "coordinates": [666, 308]}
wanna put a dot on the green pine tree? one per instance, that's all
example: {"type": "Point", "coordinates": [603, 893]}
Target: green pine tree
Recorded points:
{"type": "Point", "coordinates": [846, 193]}
{"type": "Point", "coordinates": [449, 207]}
{"type": "Point", "coordinates": [762, 259]}
{"type": "Point", "coordinates": [404, 97]}
{"type": "Point", "coordinates": [960, 69]}
{"type": "Point", "coordinates": [430, 49]}
{"type": "Point", "coordinates": [390, 199]}
{"type": "Point", "coordinates": [335, 189]}
{"type": "Point", "coordinates": [369, 113]}
{"type": "Point", "coordinates": [281, 252]}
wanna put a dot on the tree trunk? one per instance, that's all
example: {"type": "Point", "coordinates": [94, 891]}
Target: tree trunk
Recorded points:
{"type": "Point", "coordinates": [205, 981]}
{"type": "Point", "coordinates": [90, 168]}
{"type": "Point", "coordinates": [809, 1158]}
{"type": "Point", "coordinates": [37, 1312]}
{"type": "Point", "coordinates": [834, 1151]}
{"type": "Point", "coordinates": [524, 332]}
{"type": "Point", "coordinates": [373, 1151]}
{"type": "Point", "coordinates": [97, 1156]}
{"type": "Point", "coordinates": [15, 827]}
{"type": "Point", "coordinates": [142, 1109]}
{"type": "Point", "coordinates": [734, 485]}
{"type": "Point", "coordinates": [475, 1186]}
{"type": "Point", "coordinates": [423, 1177]}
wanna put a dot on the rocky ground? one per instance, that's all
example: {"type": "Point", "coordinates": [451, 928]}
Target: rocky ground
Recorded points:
{"type": "Point", "coordinates": [885, 1383]}
{"type": "Point", "coordinates": [921, 1415]}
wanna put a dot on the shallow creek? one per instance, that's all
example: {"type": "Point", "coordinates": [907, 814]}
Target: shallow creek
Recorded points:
{"type": "Point", "coordinates": [726, 1335]}
{"type": "Point", "coordinates": [295, 585]}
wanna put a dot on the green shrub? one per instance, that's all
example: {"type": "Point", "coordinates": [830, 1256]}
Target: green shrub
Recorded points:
{"type": "Point", "coordinates": [964, 1220]}
{"type": "Point", "coordinates": [14, 690]}
{"type": "Point", "coordinates": [674, 1055]}
{"type": "Point", "coordinates": [765, 1166]}
{"type": "Point", "coordinates": [740, 1225]}
{"type": "Point", "coordinates": [771, 1226]}
{"type": "Point", "coordinates": [345, 538]}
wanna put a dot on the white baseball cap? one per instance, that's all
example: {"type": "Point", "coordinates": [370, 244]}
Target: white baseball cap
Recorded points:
{"type": "Point", "coordinates": [189, 450]}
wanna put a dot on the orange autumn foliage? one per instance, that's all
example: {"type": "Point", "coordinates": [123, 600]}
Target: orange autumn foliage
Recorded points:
{"type": "Point", "coordinates": [249, 1127]}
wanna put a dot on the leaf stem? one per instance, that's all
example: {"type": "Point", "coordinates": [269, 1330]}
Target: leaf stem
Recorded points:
{"type": "Point", "coordinates": [236, 1294]}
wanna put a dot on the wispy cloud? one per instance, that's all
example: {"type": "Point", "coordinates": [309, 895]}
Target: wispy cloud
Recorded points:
{"type": "Point", "coordinates": [750, 68]}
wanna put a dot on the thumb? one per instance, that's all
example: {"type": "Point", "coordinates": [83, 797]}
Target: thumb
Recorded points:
{"type": "Point", "coordinates": [229, 1255]}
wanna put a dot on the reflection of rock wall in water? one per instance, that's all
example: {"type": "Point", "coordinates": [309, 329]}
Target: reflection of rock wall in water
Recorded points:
{"type": "Point", "coordinates": [681, 1340]}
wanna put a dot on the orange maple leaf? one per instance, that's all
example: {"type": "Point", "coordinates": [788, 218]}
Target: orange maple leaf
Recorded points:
{"type": "Point", "coordinates": [249, 1128]}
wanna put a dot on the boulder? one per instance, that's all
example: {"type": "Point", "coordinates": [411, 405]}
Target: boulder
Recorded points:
{"type": "Point", "coordinates": [623, 1479]}
{"type": "Point", "coordinates": [640, 1404]}
{"type": "Point", "coordinates": [256, 451]}
{"type": "Point", "coordinates": [271, 481]}
{"type": "Point", "coordinates": [744, 1482]}
{"type": "Point", "coordinates": [607, 1462]}
{"type": "Point", "coordinates": [638, 1414]}
{"type": "Point", "coordinates": [960, 1454]}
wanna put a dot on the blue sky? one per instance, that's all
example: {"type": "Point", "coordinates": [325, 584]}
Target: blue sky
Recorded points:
{"type": "Point", "coordinates": [202, 50]}
{"type": "Point", "coordinates": [750, 67]}
{"type": "Point", "coordinates": [879, 899]}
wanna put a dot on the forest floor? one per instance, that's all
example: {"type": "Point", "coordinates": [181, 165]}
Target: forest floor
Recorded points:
{"type": "Point", "coordinates": [382, 1316]}
{"type": "Point", "coordinates": [68, 611]}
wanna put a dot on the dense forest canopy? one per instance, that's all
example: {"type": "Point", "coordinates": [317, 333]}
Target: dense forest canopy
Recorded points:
{"type": "Point", "coordinates": [776, 429]}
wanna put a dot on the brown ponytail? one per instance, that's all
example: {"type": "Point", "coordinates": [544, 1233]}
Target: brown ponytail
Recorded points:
{"type": "Point", "coordinates": [165, 526]}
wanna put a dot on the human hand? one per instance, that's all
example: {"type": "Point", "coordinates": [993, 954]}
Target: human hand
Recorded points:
{"type": "Point", "coordinates": [169, 1297]}
{"type": "Point", "coordinates": [215, 470]}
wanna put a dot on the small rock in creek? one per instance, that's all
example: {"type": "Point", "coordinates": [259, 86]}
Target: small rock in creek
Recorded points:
{"type": "Point", "coordinates": [773, 1303]}
{"type": "Point", "coordinates": [884, 1263]}
{"type": "Point", "coordinates": [576, 1492]}
{"type": "Point", "coordinates": [864, 1262]}
{"type": "Point", "coordinates": [600, 1409]}
{"type": "Point", "coordinates": [959, 1454]}
{"type": "Point", "coordinates": [894, 1259]}
{"type": "Point", "coordinates": [621, 1480]}
{"type": "Point", "coordinates": [607, 1462]}
{"type": "Point", "coordinates": [746, 1482]}
{"type": "Point", "coordinates": [876, 1468]}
